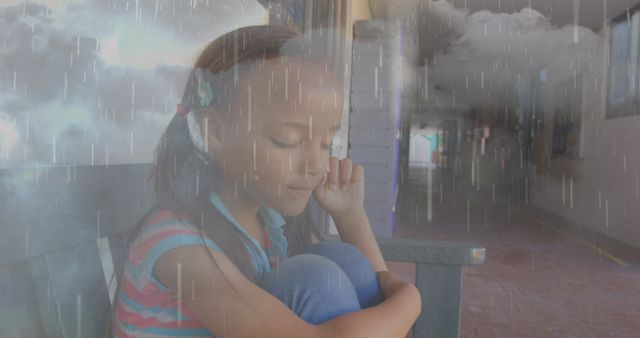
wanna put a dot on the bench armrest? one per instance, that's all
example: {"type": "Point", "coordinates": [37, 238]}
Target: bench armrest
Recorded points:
{"type": "Point", "coordinates": [431, 252]}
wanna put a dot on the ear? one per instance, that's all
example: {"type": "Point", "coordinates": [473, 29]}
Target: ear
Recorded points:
{"type": "Point", "coordinates": [213, 130]}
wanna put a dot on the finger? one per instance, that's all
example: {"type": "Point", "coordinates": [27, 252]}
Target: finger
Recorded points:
{"type": "Point", "coordinates": [345, 173]}
{"type": "Point", "coordinates": [322, 181]}
{"type": "Point", "coordinates": [357, 173]}
{"type": "Point", "coordinates": [333, 172]}
{"type": "Point", "coordinates": [321, 189]}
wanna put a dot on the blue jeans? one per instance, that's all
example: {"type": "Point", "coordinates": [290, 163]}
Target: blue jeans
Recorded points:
{"type": "Point", "coordinates": [330, 279]}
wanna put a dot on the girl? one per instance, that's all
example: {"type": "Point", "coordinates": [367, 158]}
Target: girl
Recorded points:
{"type": "Point", "coordinates": [248, 147]}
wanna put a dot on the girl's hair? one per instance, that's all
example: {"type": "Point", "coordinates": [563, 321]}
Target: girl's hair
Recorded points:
{"type": "Point", "coordinates": [183, 181]}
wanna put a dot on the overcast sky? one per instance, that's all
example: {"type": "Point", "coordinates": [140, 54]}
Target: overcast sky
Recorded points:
{"type": "Point", "coordinates": [91, 81]}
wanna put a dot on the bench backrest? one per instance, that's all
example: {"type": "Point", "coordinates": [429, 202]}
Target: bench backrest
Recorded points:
{"type": "Point", "coordinates": [59, 238]}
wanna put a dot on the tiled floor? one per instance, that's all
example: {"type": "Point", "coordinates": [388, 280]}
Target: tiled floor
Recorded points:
{"type": "Point", "coordinates": [536, 281]}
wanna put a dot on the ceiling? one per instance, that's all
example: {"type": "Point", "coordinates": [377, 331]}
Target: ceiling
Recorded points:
{"type": "Point", "coordinates": [591, 13]}
{"type": "Point", "coordinates": [435, 34]}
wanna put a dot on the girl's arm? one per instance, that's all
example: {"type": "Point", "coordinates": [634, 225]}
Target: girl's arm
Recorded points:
{"type": "Point", "coordinates": [230, 305]}
{"type": "Point", "coordinates": [354, 228]}
{"type": "Point", "coordinates": [346, 207]}
{"type": "Point", "coordinates": [401, 298]}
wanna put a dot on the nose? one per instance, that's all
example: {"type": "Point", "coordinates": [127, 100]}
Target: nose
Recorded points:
{"type": "Point", "coordinates": [315, 161]}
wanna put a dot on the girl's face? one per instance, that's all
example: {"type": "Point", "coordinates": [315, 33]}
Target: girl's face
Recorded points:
{"type": "Point", "coordinates": [274, 146]}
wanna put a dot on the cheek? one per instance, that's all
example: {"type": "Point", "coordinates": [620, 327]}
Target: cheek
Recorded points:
{"type": "Point", "coordinates": [274, 162]}
{"type": "Point", "coordinates": [238, 156]}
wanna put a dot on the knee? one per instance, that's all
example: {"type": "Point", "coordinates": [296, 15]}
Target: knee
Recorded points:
{"type": "Point", "coordinates": [313, 287]}
{"type": "Point", "coordinates": [354, 263]}
{"type": "Point", "coordinates": [345, 254]}
{"type": "Point", "coordinates": [307, 271]}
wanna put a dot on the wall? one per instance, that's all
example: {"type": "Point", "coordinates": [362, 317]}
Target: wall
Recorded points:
{"type": "Point", "coordinates": [360, 11]}
{"type": "Point", "coordinates": [356, 10]}
{"type": "Point", "coordinates": [600, 190]}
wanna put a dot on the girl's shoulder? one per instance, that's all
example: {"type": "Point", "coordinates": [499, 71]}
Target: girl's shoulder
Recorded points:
{"type": "Point", "coordinates": [165, 221]}
{"type": "Point", "coordinates": [158, 214]}
{"type": "Point", "coordinates": [145, 305]}
{"type": "Point", "coordinates": [164, 230]}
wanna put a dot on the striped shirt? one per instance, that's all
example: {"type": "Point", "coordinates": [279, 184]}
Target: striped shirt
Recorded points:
{"type": "Point", "coordinates": [145, 308]}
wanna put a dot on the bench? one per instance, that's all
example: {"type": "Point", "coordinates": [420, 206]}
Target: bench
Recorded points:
{"type": "Point", "coordinates": [60, 236]}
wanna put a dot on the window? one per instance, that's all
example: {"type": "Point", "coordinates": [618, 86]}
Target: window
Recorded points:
{"type": "Point", "coordinates": [567, 121]}
{"type": "Point", "coordinates": [623, 69]}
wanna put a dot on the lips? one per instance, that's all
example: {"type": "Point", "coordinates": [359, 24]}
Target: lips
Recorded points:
{"type": "Point", "coordinates": [300, 192]}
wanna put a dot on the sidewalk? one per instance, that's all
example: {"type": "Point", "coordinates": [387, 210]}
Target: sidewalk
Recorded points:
{"type": "Point", "coordinates": [537, 281]}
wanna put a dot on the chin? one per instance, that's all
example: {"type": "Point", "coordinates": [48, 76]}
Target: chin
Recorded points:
{"type": "Point", "coordinates": [291, 212]}
{"type": "Point", "coordinates": [286, 204]}
{"type": "Point", "coordinates": [291, 208]}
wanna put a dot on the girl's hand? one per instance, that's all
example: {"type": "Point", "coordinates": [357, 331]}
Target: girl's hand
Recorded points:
{"type": "Point", "coordinates": [342, 189]}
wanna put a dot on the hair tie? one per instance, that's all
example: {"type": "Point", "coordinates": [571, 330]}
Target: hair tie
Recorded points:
{"type": "Point", "coordinates": [205, 90]}
{"type": "Point", "coordinates": [182, 109]}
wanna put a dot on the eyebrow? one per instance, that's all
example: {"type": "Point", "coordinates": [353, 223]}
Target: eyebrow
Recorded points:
{"type": "Point", "coordinates": [306, 126]}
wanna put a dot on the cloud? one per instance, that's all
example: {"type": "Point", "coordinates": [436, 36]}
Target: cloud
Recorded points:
{"type": "Point", "coordinates": [95, 82]}
{"type": "Point", "coordinates": [499, 53]}
{"type": "Point", "coordinates": [144, 47]}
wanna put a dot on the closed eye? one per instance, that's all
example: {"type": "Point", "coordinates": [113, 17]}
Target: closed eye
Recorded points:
{"type": "Point", "coordinates": [282, 144]}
